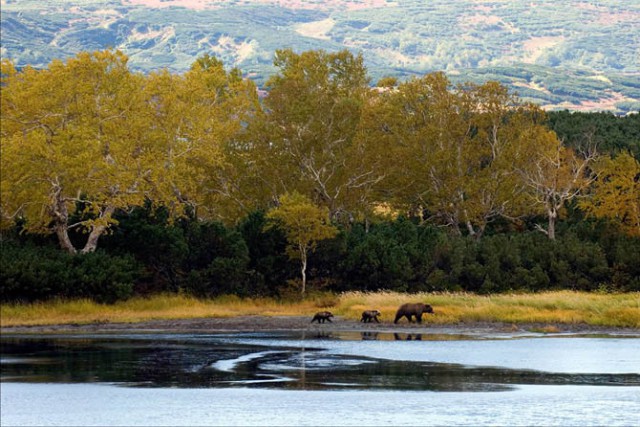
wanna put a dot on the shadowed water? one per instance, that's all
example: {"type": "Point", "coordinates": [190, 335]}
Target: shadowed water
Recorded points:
{"type": "Point", "coordinates": [320, 362]}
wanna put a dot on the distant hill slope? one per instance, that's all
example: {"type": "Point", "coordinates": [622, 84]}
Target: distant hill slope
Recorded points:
{"type": "Point", "coordinates": [580, 55]}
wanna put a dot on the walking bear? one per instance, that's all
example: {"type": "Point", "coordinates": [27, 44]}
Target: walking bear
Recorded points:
{"type": "Point", "coordinates": [370, 315]}
{"type": "Point", "coordinates": [412, 309]}
{"type": "Point", "coordinates": [322, 316]}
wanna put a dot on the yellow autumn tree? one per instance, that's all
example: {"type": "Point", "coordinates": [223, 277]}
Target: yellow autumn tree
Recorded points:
{"type": "Point", "coordinates": [73, 137]}
{"type": "Point", "coordinates": [457, 150]}
{"type": "Point", "coordinates": [422, 138]}
{"type": "Point", "coordinates": [195, 121]}
{"type": "Point", "coordinates": [86, 137]}
{"type": "Point", "coordinates": [615, 194]}
{"type": "Point", "coordinates": [305, 224]}
{"type": "Point", "coordinates": [306, 140]}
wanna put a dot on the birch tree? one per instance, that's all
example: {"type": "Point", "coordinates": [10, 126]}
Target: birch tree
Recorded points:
{"type": "Point", "coordinates": [459, 150]}
{"type": "Point", "coordinates": [555, 175]}
{"type": "Point", "coordinates": [195, 119]}
{"type": "Point", "coordinates": [73, 138]}
{"type": "Point", "coordinates": [307, 139]}
{"type": "Point", "coordinates": [305, 224]}
{"type": "Point", "coordinates": [501, 132]}
{"type": "Point", "coordinates": [87, 137]}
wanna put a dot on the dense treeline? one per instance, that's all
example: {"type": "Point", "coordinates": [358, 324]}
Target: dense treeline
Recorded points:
{"type": "Point", "coordinates": [145, 254]}
{"type": "Point", "coordinates": [191, 183]}
{"type": "Point", "coordinates": [612, 134]}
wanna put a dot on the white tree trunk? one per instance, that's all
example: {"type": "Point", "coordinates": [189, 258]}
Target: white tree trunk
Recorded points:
{"type": "Point", "coordinates": [60, 216]}
{"type": "Point", "coordinates": [63, 238]}
{"type": "Point", "coordinates": [92, 241]}
{"type": "Point", "coordinates": [551, 227]}
{"type": "Point", "coordinates": [303, 258]}
{"type": "Point", "coordinates": [97, 231]}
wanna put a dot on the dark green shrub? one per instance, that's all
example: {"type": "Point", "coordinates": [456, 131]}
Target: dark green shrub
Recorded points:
{"type": "Point", "coordinates": [625, 255]}
{"type": "Point", "coordinates": [31, 273]}
{"type": "Point", "coordinates": [378, 258]}
{"type": "Point", "coordinates": [217, 261]}
{"type": "Point", "coordinates": [269, 266]}
{"type": "Point", "coordinates": [103, 278]}
{"type": "Point", "coordinates": [147, 234]}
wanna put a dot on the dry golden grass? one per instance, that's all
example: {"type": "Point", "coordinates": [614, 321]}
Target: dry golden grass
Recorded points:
{"type": "Point", "coordinates": [563, 307]}
{"type": "Point", "coordinates": [566, 307]}
{"type": "Point", "coordinates": [154, 308]}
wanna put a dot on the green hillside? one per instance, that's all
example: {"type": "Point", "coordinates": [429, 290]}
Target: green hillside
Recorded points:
{"type": "Point", "coordinates": [579, 55]}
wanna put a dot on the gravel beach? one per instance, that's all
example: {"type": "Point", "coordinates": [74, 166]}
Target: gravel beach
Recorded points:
{"type": "Point", "coordinates": [245, 324]}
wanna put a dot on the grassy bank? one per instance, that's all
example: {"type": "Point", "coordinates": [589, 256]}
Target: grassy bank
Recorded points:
{"type": "Point", "coordinates": [616, 310]}
{"type": "Point", "coordinates": [563, 307]}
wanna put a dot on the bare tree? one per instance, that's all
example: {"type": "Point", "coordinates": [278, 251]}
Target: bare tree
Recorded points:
{"type": "Point", "coordinates": [555, 176]}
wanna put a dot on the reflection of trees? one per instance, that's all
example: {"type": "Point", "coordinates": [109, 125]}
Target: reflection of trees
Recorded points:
{"type": "Point", "coordinates": [81, 361]}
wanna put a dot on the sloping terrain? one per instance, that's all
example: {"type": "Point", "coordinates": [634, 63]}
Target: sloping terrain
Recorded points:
{"type": "Point", "coordinates": [582, 55]}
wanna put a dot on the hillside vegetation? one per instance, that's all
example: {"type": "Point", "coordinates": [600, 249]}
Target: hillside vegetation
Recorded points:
{"type": "Point", "coordinates": [579, 55]}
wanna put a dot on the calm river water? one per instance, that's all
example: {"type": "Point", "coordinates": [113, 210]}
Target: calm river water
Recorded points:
{"type": "Point", "coordinates": [316, 378]}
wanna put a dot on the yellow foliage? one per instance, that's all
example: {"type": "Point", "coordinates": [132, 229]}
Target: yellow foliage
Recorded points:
{"type": "Point", "coordinates": [616, 192]}
{"type": "Point", "coordinates": [88, 132]}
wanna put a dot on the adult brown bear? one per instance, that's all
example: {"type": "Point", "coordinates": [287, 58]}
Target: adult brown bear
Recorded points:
{"type": "Point", "coordinates": [322, 316]}
{"type": "Point", "coordinates": [370, 315]}
{"type": "Point", "coordinates": [409, 310]}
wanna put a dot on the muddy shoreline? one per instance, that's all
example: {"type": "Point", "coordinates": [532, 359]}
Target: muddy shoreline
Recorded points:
{"type": "Point", "coordinates": [245, 324]}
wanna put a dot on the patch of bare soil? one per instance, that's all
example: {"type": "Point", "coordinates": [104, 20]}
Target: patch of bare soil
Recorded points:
{"type": "Point", "coordinates": [292, 323]}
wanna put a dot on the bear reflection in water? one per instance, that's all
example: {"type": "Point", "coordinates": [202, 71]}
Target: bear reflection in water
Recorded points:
{"type": "Point", "coordinates": [322, 335]}
{"type": "Point", "coordinates": [407, 337]}
{"type": "Point", "coordinates": [369, 336]}
{"type": "Point", "coordinates": [373, 336]}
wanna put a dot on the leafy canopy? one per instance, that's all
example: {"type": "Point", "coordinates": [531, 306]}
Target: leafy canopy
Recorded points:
{"type": "Point", "coordinates": [303, 222]}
